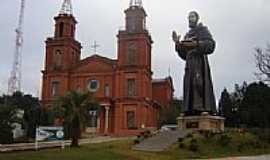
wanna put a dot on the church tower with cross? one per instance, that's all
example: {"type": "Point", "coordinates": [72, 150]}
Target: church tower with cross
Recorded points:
{"type": "Point", "coordinates": [63, 52]}
{"type": "Point", "coordinates": [129, 98]}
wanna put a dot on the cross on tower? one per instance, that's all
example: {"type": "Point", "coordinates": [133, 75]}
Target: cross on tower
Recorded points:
{"type": "Point", "coordinates": [95, 46]}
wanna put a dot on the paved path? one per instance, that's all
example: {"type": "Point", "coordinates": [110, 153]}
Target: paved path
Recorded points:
{"type": "Point", "coordinates": [161, 141]}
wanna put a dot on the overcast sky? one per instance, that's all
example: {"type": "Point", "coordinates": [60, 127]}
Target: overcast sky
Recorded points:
{"type": "Point", "coordinates": [237, 25]}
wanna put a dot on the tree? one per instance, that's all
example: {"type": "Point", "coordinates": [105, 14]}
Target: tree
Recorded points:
{"type": "Point", "coordinates": [29, 105]}
{"type": "Point", "coordinates": [73, 109]}
{"type": "Point", "coordinates": [262, 58]}
{"type": "Point", "coordinates": [8, 116]}
{"type": "Point", "coordinates": [168, 115]}
{"type": "Point", "coordinates": [229, 104]}
{"type": "Point", "coordinates": [255, 110]}
{"type": "Point", "coordinates": [226, 108]}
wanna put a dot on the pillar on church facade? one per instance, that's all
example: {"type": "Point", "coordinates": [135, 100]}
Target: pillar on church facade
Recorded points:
{"type": "Point", "coordinates": [98, 124]}
{"type": "Point", "coordinates": [107, 109]}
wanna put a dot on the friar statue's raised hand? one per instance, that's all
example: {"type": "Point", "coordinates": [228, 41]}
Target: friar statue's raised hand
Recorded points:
{"type": "Point", "coordinates": [175, 37]}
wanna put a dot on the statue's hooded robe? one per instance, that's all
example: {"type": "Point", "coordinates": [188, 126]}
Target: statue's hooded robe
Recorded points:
{"type": "Point", "coordinates": [198, 88]}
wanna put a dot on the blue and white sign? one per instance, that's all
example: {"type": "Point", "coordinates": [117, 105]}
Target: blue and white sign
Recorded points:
{"type": "Point", "coordinates": [49, 133]}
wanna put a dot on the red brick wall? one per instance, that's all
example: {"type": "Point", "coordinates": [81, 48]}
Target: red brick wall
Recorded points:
{"type": "Point", "coordinates": [75, 75]}
{"type": "Point", "coordinates": [162, 93]}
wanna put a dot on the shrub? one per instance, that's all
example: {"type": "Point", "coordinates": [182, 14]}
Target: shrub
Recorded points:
{"type": "Point", "coordinates": [190, 135]}
{"type": "Point", "coordinates": [146, 134]}
{"type": "Point", "coordinates": [180, 140]}
{"type": "Point", "coordinates": [136, 141]}
{"type": "Point", "coordinates": [240, 147]}
{"type": "Point", "coordinates": [181, 145]}
{"type": "Point", "coordinates": [193, 146]}
{"type": "Point", "coordinates": [207, 134]}
{"type": "Point", "coordinates": [224, 140]}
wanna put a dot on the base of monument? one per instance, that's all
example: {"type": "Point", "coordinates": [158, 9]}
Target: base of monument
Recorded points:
{"type": "Point", "coordinates": [204, 122]}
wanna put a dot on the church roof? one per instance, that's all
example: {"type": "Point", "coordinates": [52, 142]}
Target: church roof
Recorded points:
{"type": "Point", "coordinates": [98, 57]}
{"type": "Point", "coordinates": [164, 80]}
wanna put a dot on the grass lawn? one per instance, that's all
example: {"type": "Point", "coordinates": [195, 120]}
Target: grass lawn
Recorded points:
{"type": "Point", "coordinates": [120, 150]}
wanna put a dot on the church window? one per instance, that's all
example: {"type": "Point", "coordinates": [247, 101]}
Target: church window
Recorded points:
{"type": "Point", "coordinates": [93, 85]}
{"type": "Point", "coordinates": [131, 24]}
{"type": "Point", "coordinates": [72, 31]}
{"type": "Point", "coordinates": [55, 88]}
{"type": "Point", "coordinates": [61, 29]}
{"type": "Point", "coordinates": [131, 53]}
{"type": "Point", "coordinates": [144, 24]}
{"type": "Point", "coordinates": [107, 90]}
{"type": "Point", "coordinates": [57, 59]}
{"type": "Point", "coordinates": [131, 90]}
{"type": "Point", "coordinates": [131, 120]}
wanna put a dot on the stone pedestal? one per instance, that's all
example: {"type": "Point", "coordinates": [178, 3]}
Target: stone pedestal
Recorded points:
{"type": "Point", "coordinates": [203, 122]}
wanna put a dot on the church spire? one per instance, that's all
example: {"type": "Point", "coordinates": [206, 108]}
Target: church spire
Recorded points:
{"type": "Point", "coordinates": [137, 3]}
{"type": "Point", "coordinates": [66, 7]}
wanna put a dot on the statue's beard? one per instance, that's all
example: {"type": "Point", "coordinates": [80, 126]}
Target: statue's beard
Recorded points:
{"type": "Point", "coordinates": [192, 24]}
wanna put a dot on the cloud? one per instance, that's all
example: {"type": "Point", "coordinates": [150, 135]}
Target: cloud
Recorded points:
{"type": "Point", "coordinates": [237, 26]}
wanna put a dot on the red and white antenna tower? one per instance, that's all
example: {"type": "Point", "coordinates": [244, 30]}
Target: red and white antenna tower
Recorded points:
{"type": "Point", "coordinates": [14, 82]}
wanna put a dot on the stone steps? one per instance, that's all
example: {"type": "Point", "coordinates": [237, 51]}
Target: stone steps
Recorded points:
{"type": "Point", "coordinates": [161, 141]}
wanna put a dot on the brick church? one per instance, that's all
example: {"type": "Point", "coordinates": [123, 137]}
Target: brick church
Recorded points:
{"type": "Point", "coordinates": [129, 97]}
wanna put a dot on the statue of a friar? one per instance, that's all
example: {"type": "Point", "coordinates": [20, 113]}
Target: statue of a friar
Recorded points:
{"type": "Point", "coordinates": [194, 49]}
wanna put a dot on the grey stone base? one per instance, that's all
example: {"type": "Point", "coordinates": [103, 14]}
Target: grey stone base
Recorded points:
{"type": "Point", "coordinates": [202, 122]}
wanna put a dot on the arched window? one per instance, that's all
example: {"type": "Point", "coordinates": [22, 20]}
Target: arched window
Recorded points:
{"type": "Point", "coordinates": [57, 59]}
{"type": "Point", "coordinates": [131, 53]}
{"type": "Point", "coordinates": [72, 31]}
{"type": "Point", "coordinates": [55, 88]}
{"type": "Point", "coordinates": [131, 88]}
{"type": "Point", "coordinates": [107, 90]}
{"type": "Point", "coordinates": [131, 120]}
{"type": "Point", "coordinates": [61, 29]}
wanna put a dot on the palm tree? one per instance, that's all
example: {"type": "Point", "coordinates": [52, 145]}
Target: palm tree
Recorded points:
{"type": "Point", "coordinates": [73, 109]}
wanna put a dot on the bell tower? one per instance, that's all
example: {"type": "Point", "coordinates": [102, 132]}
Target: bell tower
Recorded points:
{"type": "Point", "coordinates": [135, 17]}
{"type": "Point", "coordinates": [62, 50]}
{"type": "Point", "coordinates": [134, 75]}
{"type": "Point", "coordinates": [135, 42]}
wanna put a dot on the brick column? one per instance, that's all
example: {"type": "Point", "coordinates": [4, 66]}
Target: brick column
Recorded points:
{"type": "Point", "coordinates": [107, 108]}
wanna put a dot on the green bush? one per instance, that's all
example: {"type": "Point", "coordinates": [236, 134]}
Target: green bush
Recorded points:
{"type": "Point", "coordinates": [146, 134]}
{"type": "Point", "coordinates": [240, 147]}
{"type": "Point", "coordinates": [181, 145]}
{"type": "Point", "coordinates": [180, 140]}
{"type": "Point", "coordinates": [224, 140]}
{"type": "Point", "coordinates": [190, 135]}
{"type": "Point", "coordinates": [138, 139]}
{"type": "Point", "coordinates": [193, 146]}
{"type": "Point", "coordinates": [6, 135]}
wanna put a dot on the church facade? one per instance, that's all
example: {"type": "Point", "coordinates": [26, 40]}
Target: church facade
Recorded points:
{"type": "Point", "coordinates": [129, 97]}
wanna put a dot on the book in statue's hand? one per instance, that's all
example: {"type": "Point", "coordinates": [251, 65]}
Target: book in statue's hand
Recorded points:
{"type": "Point", "coordinates": [189, 43]}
